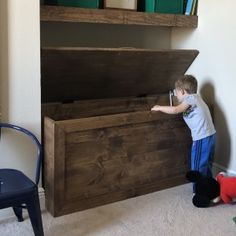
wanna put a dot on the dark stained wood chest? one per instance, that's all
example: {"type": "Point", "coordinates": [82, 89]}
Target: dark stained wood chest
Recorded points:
{"type": "Point", "coordinates": [101, 142]}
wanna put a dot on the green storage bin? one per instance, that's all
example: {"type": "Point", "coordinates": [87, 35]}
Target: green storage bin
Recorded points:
{"type": "Point", "coordinates": [169, 6]}
{"type": "Point", "coordinates": [49, 2]}
{"type": "Point", "coordinates": [150, 5]}
{"type": "Point", "coordinates": [146, 5]}
{"type": "Point", "coordinates": [79, 3]}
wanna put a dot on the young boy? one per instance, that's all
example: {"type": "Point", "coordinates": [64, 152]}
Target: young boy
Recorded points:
{"type": "Point", "coordinates": [198, 118]}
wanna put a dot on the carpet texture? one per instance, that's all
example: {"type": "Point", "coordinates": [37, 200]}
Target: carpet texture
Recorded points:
{"type": "Point", "coordinates": [165, 213]}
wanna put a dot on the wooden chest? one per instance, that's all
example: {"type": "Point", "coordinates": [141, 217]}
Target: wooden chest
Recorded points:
{"type": "Point", "coordinates": [101, 142]}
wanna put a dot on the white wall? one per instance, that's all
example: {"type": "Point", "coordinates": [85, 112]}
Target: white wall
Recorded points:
{"type": "Point", "coordinates": [215, 38]}
{"type": "Point", "coordinates": [20, 79]}
{"type": "Point", "coordinates": [3, 48]}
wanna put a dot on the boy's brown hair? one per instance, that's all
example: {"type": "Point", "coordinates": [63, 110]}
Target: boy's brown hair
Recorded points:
{"type": "Point", "coordinates": [187, 83]}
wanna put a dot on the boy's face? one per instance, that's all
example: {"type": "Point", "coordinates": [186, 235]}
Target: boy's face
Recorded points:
{"type": "Point", "coordinates": [179, 93]}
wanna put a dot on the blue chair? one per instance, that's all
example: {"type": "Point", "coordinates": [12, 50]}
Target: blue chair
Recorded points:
{"type": "Point", "coordinates": [18, 191]}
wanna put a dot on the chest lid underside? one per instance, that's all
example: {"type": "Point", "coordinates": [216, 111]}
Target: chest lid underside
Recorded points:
{"type": "Point", "coordinates": [69, 74]}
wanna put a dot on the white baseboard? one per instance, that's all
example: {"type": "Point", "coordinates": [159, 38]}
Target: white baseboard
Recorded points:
{"type": "Point", "coordinates": [8, 213]}
{"type": "Point", "coordinates": [219, 168]}
{"type": "Point", "coordinates": [42, 198]}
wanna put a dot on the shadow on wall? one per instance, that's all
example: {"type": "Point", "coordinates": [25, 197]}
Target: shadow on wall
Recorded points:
{"type": "Point", "coordinates": [223, 142]}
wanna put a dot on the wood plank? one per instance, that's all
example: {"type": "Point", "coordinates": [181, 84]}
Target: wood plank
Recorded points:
{"type": "Point", "coordinates": [92, 182]}
{"type": "Point", "coordinates": [73, 206]}
{"type": "Point", "coordinates": [98, 107]}
{"type": "Point", "coordinates": [123, 141]}
{"type": "Point", "coordinates": [105, 16]}
{"type": "Point", "coordinates": [129, 132]}
{"type": "Point", "coordinates": [98, 73]}
{"type": "Point", "coordinates": [49, 164]}
{"type": "Point", "coordinates": [106, 121]}
{"type": "Point", "coordinates": [59, 172]}
{"type": "Point", "coordinates": [54, 165]}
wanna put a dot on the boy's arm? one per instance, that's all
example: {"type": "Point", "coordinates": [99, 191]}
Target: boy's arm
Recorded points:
{"type": "Point", "coordinates": [182, 107]}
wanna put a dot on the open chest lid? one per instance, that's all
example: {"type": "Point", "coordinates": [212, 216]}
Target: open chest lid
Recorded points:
{"type": "Point", "coordinates": [69, 74]}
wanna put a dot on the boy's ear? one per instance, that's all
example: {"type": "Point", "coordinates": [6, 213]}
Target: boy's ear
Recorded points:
{"type": "Point", "coordinates": [193, 176]}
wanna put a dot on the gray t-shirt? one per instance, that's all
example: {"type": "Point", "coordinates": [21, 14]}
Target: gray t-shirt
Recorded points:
{"type": "Point", "coordinates": [198, 117]}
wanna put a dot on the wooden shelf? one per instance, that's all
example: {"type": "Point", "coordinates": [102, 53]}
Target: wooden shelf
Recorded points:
{"type": "Point", "coordinates": [104, 16]}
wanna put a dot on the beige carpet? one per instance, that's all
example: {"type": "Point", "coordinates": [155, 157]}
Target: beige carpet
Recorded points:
{"type": "Point", "coordinates": [164, 213]}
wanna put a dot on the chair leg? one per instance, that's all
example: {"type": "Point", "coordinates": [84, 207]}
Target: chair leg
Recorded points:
{"type": "Point", "coordinates": [35, 214]}
{"type": "Point", "coordinates": [18, 213]}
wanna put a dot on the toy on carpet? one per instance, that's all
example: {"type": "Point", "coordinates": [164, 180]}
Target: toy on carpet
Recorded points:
{"type": "Point", "coordinates": [206, 189]}
{"type": "Point", "coordinates": [227, 187]}
{"type": "Point", "coordinates": [209, 190]}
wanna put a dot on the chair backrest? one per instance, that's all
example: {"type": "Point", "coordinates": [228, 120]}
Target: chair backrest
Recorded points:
{"type": "Point", "coordinates": [35, 140]}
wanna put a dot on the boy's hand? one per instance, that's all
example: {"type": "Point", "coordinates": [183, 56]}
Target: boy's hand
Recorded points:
{"type": "Point", "coordinates": [156, 108]}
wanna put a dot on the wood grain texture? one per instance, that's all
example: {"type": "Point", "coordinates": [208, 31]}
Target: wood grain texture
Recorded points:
{"type": "Point", "coordinates": [102, 159]}
{"type": "Point", "coordinates": [106, 145]}
{"type": "Point", "coordinates": [99, 107]}
{"type": "Point", "coordinates": [70, 14]}
{"type": "Point", "coordinates": [98, 73]}
{"type": "Point", "coordinates": [49, 163]}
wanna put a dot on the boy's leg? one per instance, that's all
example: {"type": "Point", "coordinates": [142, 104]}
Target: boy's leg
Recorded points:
{"type": "Point", "coordinates": [207, 154]}
{"type": "Point", "coordinates": [195, 157]}
{"type": "Point", "coordinates": [202, 155]}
